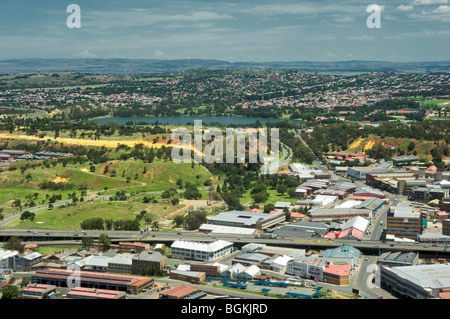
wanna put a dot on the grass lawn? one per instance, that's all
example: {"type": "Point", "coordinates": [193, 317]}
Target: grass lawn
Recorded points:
{"type": "Point", "coordinates": [274, 197]}
{"type": "Point", "coordinates": [70, 217]}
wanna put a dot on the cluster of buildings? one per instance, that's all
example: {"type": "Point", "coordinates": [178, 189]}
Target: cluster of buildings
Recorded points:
{"type": "Point", "coordinates": [9, 156]}
{"type": "Point", "coordinates": [333, 266]}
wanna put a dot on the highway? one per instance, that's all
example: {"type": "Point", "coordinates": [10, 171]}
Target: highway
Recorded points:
{"type": "Point", "coordinates": [70, 235]}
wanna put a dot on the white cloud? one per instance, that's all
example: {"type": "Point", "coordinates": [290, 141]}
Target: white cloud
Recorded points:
{"type": "Point", "coordinates": [158, 54]}
{"type": "Point", "coordinates": [442, 10]}
{"type": "Point", "coordinates": [85, 54]}
{"type": "Point", "coordinates": [428, 2]}
{"type": "Point", "coordinates": [361, 38]}
{"type": "Point", "coordinates": [145, 17]}
{"type": "Point", "coordinates": [405, 8]}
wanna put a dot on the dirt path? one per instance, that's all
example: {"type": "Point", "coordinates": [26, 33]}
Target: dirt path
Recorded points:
{"type": "Point", "coordinates": [85, 170]}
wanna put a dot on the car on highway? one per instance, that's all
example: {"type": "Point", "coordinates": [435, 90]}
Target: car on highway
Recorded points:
{"type": "Point", "coordinates": [435, 245]}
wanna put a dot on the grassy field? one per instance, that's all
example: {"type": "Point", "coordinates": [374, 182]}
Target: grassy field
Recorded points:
{"type": "Point", "coordinates": [274, 197]}
{"type": "Point", "coordinates": [70, 217]}
{"type": "Point", "coordinates": [131, 176]}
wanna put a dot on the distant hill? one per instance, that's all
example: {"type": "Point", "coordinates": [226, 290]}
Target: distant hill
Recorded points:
{"type": "Point", "coordinates": [133, 66]}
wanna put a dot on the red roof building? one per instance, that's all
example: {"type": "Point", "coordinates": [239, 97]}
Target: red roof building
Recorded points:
{"type": "Point", "coordinates": [93, 293]}
{"type": "Point", "coordinates": [180, 292]}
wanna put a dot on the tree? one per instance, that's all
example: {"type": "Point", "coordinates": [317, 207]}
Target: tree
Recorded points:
{"type": "Point", "coordinates": [178, 220]}
{"type": "Point", "coordinates": [14, 243]}
{"type": "Point", "coordinates": [25, 281]}
{"type": "Point", "coordinates": [192, 192]}
{"type": "Point", "coordinates": [281, 189]}
{"type": "Point", "coordinates": [268, 208]}
{"type": "Point", "coordinates": [155, 225]}
{"type": "Point", "coordinates": [87, 242]}
{"type": "Point", "coordinates": [10, 292]}
{"type": "Point", "coordinates": [105, 241]}
{"type": "Point", "coordinates": [195, 219]}
{"type": "Point", "coordinates": [175, 201]}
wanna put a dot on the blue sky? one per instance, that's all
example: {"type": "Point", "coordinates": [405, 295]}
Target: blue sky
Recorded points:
{"type": "Point", "coordinates": [235, 30]}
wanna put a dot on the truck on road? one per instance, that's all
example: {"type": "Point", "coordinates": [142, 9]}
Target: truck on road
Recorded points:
{"type": "Point", "coordinates": [265, 236]}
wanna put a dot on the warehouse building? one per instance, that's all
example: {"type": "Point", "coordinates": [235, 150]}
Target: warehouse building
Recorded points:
{"type": "Point", "coordinates": [446, 227]}
{"type": "Point", "coordinates": [360, 172]}
{"type": "Point", "coordinates": [25, 262]}
{"type": "Point", "coordinates": [250, 259]}
{"type": "Point", "coordinates": [330, 214]}
{"type": "Point", "coordinates": [428, 193]}
{"type": "Point", "coordinates": [354, 228]}
{"type": "Point", "coordinates": [385, 178]}
{"type": "Point", "coordinates": [320, 200]}
{"type": "Point", "coordinates": [337, 273]}
{"type": "Point", "coordinates": [218, 229]}
{"type": "Point", "coordinates": [402, 160]}
{"type": "Point", "coordinates": [306, 267]}
{"type": "Point", "coordinates": [368, 192]}
{"type": "Point", "coordinates": [180, 292]}
{"type": "Point", "coordinates": [132, 248]}
{"type": "Point", "coordinates": [232, 271]}
{"type": "Point", "coordinates": [345, 253]}
{"type": "Point", "coordinates": [60, 278]}
{"type": "Point", "coordinates": [94, 293]}
{"type": "Point", "coordinates": [195, 277]}
{"type": "Point", "coordinates": [37, 291]}
{"type": "Point", "coordinates": [247, 219]}
{"type": "Point", "coordinates": [206, 252]}
{"type": "Point", "coordinates": [417, 282]}
{"type": "Point", "coordinates": [303, 229]}
{"type": "Point", "coordinates": [121, 263]}
{"type": "Point", "coordinates": [8, 259]}
{"type": "Point", "coordinates": [211, 270]}
{"type": "Point", "coordinates": [398, 258]}
{"type": "Point", "coordinates": [249, 273]}
{"type": "Point", "coordinates": [146, 261]}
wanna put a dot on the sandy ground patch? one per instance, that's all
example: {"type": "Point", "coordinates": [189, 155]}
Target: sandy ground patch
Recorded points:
{"type": "Point", "coordinates": [59, 179]}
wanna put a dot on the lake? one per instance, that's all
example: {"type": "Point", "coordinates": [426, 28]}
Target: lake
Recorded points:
{"type": "Point", "coordinates": [184, 120]}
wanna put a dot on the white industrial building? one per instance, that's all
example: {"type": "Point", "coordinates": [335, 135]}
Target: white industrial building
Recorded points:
{"type": "Point", "coordinates": [205, 252]}
{"type": "Point", "coordinates": [8, 258]}
{"type": "Point", "coordinates": [417, 282]}
{"type": "Point", "coordinates": [232, 271]}
{"type": "Point", "coordinates": [250, 273]}
{"type": "Point", "coordinates": [219, 229]}
{"type": "Point", "coordinates": [247, 219]}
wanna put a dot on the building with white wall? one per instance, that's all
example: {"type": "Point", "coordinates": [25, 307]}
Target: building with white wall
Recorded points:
{"type": "Point", "coordinates": [206, 252]}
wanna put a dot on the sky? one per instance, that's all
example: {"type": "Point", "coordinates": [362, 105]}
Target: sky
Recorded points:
{"type": "Point", "coordinates": [234, 30]}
